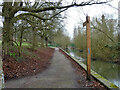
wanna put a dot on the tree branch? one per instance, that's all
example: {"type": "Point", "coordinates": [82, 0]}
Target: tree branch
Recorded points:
{"type": "Point", "coordinates": [112, 6]}
{"type": "Point", "coordinates": [51, 8]}
{"type": "Point", "coordinates": [60, 7]}
{"type": "Point", "coordinates": [103, 32]}
{"type": "Point", "coordinates": [58, 13]}
{"type": "Point", "coordinates": [32, 14]}
{"type": "Point", "coordinates": [35, 15]}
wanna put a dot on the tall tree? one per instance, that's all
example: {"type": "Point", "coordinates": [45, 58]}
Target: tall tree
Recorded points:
{"type": "Point", "coordinates": [11, 8]}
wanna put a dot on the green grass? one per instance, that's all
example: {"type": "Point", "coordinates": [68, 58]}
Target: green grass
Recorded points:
{"type": "Point", "coordinates": [26, 44]}
{"type": "Point", "coordinates": [23, 44]}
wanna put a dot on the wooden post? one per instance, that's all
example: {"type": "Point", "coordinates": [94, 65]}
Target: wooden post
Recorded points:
{"type": "Point", "coordinates": [87, 24]}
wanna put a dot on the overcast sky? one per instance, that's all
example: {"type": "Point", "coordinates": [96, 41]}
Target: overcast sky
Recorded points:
{"type": "Point", "coordinates": [76, 15]}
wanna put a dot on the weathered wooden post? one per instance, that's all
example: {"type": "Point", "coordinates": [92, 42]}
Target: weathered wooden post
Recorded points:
{"type": "Point", "coordinates": [87, 24]}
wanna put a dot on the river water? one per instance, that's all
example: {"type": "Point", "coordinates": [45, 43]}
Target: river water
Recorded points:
{"type": "Point", "coordinates": [105, 69]}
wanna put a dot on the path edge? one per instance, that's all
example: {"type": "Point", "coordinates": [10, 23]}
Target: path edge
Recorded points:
{"type": "Point", "coordinates": [95, 75]}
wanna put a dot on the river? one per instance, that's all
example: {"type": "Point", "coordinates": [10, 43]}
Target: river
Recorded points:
{"type": "Point", "coordinates": [105, 69]}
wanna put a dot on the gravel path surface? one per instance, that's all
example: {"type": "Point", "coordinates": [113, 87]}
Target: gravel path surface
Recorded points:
{"type": "Point", "coordinates": [60, 74]}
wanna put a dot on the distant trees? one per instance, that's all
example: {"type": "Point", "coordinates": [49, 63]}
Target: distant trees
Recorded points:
{"type": "Point", "coordinates": [103, 38]}
{"type": "Point", "coordinates": [14, 11]}
{"type": "Point", "coordinates": [79, 38]}
{"type": "Point", "coordinates": [34, 23]}
{"type": "Point", "coordinates": [61, 40]}
{"type": "Point", "coordinates": [19, 26]}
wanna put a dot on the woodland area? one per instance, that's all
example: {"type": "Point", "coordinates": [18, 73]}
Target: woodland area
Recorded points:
{"type": "Point", "coordinates": [29, 29]}
{"type": "Point", "coordinates": [40, 24]}
{"type": "Point", "coordinates": [37, 23]}
{"type": "Point", "coordinates": [104, 39]}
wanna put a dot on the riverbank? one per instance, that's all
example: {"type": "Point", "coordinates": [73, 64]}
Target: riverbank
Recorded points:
{"type": "Point", "coordinates": [83, 55]}
{"type": "Point", "coordinates": [106, 69]}
{"type": "Point", "coordinates": [80, 71]}
{"type": "Point", "coordinates": [31, 62]}
{"type": "Point", "coordinates": [114, 61]}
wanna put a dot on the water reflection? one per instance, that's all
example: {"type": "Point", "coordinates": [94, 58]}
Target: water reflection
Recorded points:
{"type": "Point", "coordinates": [105, 69]}
{"type": "Point", "coordinates": [77, 57]}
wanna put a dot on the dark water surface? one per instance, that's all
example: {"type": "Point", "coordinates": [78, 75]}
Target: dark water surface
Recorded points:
{"type": "Point", "coordinates": [105, 69]}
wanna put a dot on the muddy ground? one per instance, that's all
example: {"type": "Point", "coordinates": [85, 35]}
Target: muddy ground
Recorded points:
{"type": "Point", "coordinates": [31, 62]}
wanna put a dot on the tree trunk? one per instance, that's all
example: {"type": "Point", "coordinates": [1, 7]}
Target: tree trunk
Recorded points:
{"type": "Point", "coordinates": [7, 28]}
{"type": "Point", "coordinates": [19, 50]}
{"type": "Point", "coordinates": [42, 41]}
{"type": "Point", "coordinates": [46, 43]}
{"type": "Point", "coordinates": [34, 44]}
{"type": "Point", "coordinates": [7, 37]}
{"type": "Point", "coordinates": [46, 39]}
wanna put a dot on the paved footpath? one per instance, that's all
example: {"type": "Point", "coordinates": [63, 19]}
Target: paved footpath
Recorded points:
{"type": "Point", "coordinates": [60, 74]}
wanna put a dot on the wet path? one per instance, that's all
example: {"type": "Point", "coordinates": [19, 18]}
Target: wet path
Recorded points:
{"type": "Point", "coordinates": [60, 74]}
